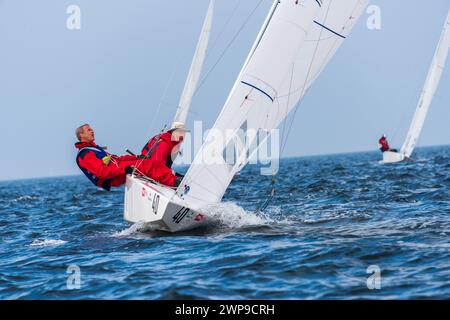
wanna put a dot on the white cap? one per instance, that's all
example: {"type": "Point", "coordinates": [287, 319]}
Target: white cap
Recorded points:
{"type": "Point", "coordinates": [178, 126]}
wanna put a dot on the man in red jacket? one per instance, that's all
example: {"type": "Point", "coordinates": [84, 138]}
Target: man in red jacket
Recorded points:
{"type": "Point", "coordinates": [384, 145]}
{"type": "Point", "coordinates": [106, 170]}
{"type": "Point", "coordinates": [164, 147]}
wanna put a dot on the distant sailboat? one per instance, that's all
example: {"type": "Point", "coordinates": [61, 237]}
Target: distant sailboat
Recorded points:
{"type": "Point", "coordinates": [296, 42]}
{"type": "Point", "coordinates": [431, 84]}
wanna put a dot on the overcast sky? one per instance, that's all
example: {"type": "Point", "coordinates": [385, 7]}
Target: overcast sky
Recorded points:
{"type": "Point", "coordinates": [114, 71]}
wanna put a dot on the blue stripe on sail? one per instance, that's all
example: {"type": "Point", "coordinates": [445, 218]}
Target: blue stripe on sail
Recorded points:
{"type": "Point", "coordinates": [263, 92]}
{"type": "Point", "coordinates": [318, 2]}
{"type": "Point", "coordinates": [340, 35]}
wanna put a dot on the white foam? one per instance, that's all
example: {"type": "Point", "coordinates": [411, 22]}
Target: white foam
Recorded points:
{"type": "Point", "coordinates": [47, 242]}
{"type": "Point", "coordinates": [224, 214]}
{"type": "Point", "coordinates": [417, 245]}
{"type": "Point", "coordinates": [233, 216]}
{"type": "Point", "coordinates": [24, 198]}
{"type": "Point", "coordinates": [282, 244]}
{"type": "Point", "coordinates": [135, 228]}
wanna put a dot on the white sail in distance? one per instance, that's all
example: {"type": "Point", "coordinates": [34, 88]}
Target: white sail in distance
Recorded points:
{"type": "Point", "coordinates": [429, 89]}
{"type": "Point", "coordinates": [294, 45]}
{"type": "Point", "coordinates": [196, 67]}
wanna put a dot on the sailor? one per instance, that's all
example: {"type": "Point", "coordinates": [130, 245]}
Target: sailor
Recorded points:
{"type": "Point", "coordinates": [164, 147]}
{"type": "Point", "coordinates": [384, 145]}
{"type": "Point", "coordinates": [106, 170]}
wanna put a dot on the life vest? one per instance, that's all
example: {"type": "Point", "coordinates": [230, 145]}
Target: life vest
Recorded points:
{"type": "Point", "coordinates": [154, 143]}
{"type": "Point", "coordinates": [151, 146]}
{"type": "Point", "coordinates": [383, 144]}
{"type": "Point", "coordinates": [100, 154]}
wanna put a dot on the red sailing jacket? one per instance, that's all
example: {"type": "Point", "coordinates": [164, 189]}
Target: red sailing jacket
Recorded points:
{"type": "Point", "coordinates": [95, 164]}
{"type": "Point", "coordinates": [106, 170]}
{"type": "Point", "coordinates": [160, 148]}
{"type": "Point", "coordinates": [384, 144]}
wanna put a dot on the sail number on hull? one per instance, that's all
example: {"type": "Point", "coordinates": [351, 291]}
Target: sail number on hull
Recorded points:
{"type": "Point", "coordinates": [155, 203]}
{"type": "Point", "coordinates": [152, 197]}
{"type": "Point", "coordinates": [181, 214]}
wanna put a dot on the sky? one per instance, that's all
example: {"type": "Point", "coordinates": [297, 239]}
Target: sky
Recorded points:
{"type": "Point", "coordinates": [123, 72]}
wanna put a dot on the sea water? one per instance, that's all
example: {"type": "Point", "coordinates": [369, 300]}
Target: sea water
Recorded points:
{"type": "Point", "coordinates": [338, 227]}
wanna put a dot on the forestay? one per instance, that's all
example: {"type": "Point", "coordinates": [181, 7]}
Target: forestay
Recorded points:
{"type": "Point", "coordinates": [294, 45]}
{"type": "Point", "coordinates": [431, 84]}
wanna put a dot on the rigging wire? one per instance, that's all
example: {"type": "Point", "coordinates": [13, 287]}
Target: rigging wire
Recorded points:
{"type": "Point", "coordinates": [222, 30]}
{"type": "Point", "coordinates": [304, 85]}
{"type": "Point", "coordinates": [272, 193]}
{"type": "Point", "coordinates": [166, 89]}
{"type": "Point", "coordinates": [304, 89]}
{"type": "Point", "coordinates": [216, 41]}
{"type": "Point", "coordinates": [265, 204]}
{"type": "Point", "coordinates": [202, 82]}
{"type": "Point", "coordinates": [401, 119]}
{"type": "Point", "coordinates": [418, 88]}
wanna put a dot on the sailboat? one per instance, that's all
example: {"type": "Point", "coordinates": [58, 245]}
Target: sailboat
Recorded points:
{"type": "Point", "coordinates": [296, 41]}
{"type": "Point", "coordinates": [429, 89]}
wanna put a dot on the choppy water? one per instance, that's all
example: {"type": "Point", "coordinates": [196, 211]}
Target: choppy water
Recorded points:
{"type": "Point", "coordinates": [333, 217]}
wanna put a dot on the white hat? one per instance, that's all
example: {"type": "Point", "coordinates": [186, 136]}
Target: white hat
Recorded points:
{"type": "Point", "coordinates": [178, 126]}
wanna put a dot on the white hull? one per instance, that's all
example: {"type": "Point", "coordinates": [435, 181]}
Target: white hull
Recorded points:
{"type": "Point", "coordinates": [392, 157]}
{"type": "Point", "coordinates": [158, 207]}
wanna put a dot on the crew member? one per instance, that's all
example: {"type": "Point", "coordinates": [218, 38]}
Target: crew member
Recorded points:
{"type": "Point", "coordinates": [164, 147]}
{"type": "Point", "coordinates": [106, 170]}
{"type": "Point", "coordinates": [383, 144]}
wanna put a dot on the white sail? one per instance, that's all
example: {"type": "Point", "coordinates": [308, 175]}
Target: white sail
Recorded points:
{"type": "Point", "coordinates": [431, 84]}
{"type": "Point", "coordinates": [295, 43]}
{"type": "Point", "coordinates": [196, 68]}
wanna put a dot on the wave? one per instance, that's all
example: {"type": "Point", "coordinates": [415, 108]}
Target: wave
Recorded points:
{"type": "Point", "coordinates": [224, 215]}
{"type": "Point", "coordinates": [232, 216]}
{"type": "Point", "coordinates": [25, 198]}
{"type": "Point", "coordinates": [418, 245]}
{"type": "Point", "coordinates": [47, 242]}
{"type": "Point", "coordinates": [133, 229]}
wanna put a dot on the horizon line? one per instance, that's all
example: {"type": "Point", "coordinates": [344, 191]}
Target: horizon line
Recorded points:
{"type": "Point", "coordinates": [283, 157]}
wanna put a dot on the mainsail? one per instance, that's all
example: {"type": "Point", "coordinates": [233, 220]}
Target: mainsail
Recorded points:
{"type": "Point", "coordinates": [431, 84]}
{"type": "Point", "coordinates": [294, 45]}
{"type": "Point", "coordinates": [196, 68]}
